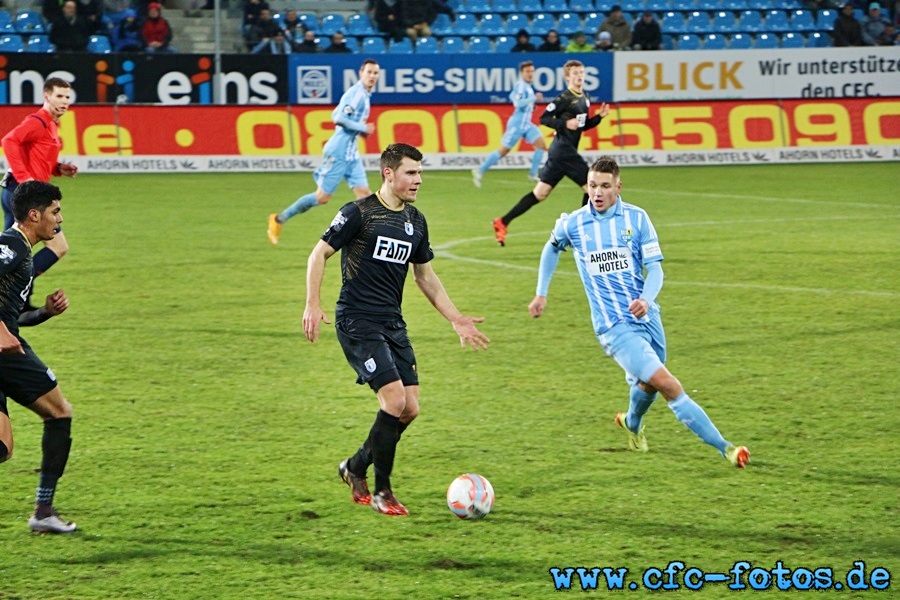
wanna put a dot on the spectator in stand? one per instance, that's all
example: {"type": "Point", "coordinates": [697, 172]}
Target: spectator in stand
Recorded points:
{"type": "Point", "coordinates": [309, 45]}
{"type": "Point", "coordinates": [888, 36]}
{"type": "Point", "coordinates": [292, 25]}
{"type": "Point", "coordinates": [551, 42]}
{"type": "Point", "coordinates": [277, 44]}
{"type": "Point", "coordinates": [338, 44]}
{"type": "Point", "coordinates": [647, 33]}
{"type": "Point", "coordinates": [604, 42]}
{"type": "Point", "coordinates": [156, 32]}
{"type": "Point", "coordinates": [873, 25]}
{"type": "Point", "coordinates": [523, 42]}
{"type": "Point", "coordinates": [69, 32]}
{"type": "Point", "coordinates": [579, 43]}
{"type": "Point", "coordinates": [252, 10]}
{"type": "Point", "coordinates": [418, 15]}
{"type": "Point", "coordinates": [92, 13]}
{"type": "Point", "coordinates": [618, 28]}
{"type": "Point", "coordinates": [386, 15]}
{"type": "Point", "coordinates": [264, 30]}
{"type": "Point", "coordinates": [847, 30]}
{"type": "Point", "coordinates": [128, 33]}
{"type": "Point", "coordinates": [51, 9]}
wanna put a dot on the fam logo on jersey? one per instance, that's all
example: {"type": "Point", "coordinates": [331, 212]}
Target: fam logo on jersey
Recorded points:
{"type": "Point", "coordinates": [7, 254]}
{"type": "Point", "coordinates": [314, 85]}
{"type": "Point", "coordinates": [391, 250]}
{"type": "Point", "coordinates": [625, 235]}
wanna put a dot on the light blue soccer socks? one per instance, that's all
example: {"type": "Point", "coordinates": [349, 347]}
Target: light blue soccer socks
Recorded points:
{"type": "Point", "coordinates": [638, 405]}
{"type": "Point", "coordinates": [536, 159]}
{"type": "Point", "coordinates": [689, 412]}
{"type": "Point", "coordinates": [492, 159]}
{"type": "Point", "coordinates": [303, 204]}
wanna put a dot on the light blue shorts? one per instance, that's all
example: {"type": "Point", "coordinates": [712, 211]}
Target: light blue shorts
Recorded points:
{"type": "Point", "coordinates": [332, 170]}
{"type": "Point", "coordinates": [639, 348]}
{"type": "Point", "coordinates": [513, 134]}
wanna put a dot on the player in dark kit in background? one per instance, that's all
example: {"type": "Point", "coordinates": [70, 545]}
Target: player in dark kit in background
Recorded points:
{"type": "Point", "coordinates": [23, 377]}
{"type": "Point", "coordinates": [379, 237]}
{"type": "Point", "coordinates": [569, 115]}
{"type": "Point", "coordinates": [32, 151]}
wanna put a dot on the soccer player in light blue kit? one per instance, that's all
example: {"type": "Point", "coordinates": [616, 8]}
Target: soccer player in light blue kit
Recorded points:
{"type": "Point", "coordinates": [614, 244]}
{"type": "Point", "coordinates": [519, 126]}
{"type": "Point", "coordinates": [341, 159]}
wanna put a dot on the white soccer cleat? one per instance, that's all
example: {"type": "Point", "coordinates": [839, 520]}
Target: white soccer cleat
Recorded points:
{"type": "Point", "coordinates": [476, 178]}
{"type": "Point", "coordinates": [51, 524]}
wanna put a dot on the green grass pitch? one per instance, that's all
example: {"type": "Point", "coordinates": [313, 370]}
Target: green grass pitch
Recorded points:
{"type": "Point", "coordinates": [207, 430]}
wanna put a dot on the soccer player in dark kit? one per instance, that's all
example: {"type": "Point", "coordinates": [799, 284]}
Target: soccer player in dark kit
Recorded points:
{"type": "Point", "coordinates": [23, 376]}
{"type": "Point", "coordinates": [569, 115]}
{"type": "Point", "coordinates": [379, 237]}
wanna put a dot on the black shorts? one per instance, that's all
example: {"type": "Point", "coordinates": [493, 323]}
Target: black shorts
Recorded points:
{"type": "Point", "coordinates": [380, 353]}
{"type": "Point", "coordinates": [24, 377]}
{"type": "Point", "coordinates": [567, 165]}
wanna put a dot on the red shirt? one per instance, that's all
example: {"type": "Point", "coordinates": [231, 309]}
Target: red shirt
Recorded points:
{"type": "Point", "coordinates": [32, 148]}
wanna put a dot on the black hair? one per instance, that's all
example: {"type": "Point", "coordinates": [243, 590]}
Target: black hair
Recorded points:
{"type": "Point", "coordinates": [33, 195]}
{"type": "Point", "coordinates": [394, 154]}
{"type": "Point", "coordinates": [606, 164]}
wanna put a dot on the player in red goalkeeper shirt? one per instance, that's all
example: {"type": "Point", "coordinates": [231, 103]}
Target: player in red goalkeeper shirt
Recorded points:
{"type": "Point", "coordinates": [32, 152]}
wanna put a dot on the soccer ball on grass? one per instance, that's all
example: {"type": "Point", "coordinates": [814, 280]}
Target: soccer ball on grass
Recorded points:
{"type": "Point", "coordinates": [470, 496]}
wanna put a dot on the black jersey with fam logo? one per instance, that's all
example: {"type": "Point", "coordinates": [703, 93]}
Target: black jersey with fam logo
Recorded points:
{"type": "Point", "coordinates": [564, 107]}
{"type": "Point", "coordinates": [377, 244]}
{"type": "Point", "coordinates": [16, 275]}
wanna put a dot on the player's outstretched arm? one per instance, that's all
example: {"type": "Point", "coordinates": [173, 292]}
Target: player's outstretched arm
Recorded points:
{"type": "Point", "coordinates": [313, 314]}
{"type": "Point", "coordinates": [464, 325]}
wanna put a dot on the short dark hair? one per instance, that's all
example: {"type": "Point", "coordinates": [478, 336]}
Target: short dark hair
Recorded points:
{"type": "Point", "coordinates": [526, 63]}
{"type": "Point", "coordinates": [394, 154]}
{"type": "Point", "coordinates": [606, 164]}
{"type": "Point", "coordinates": [56, 82]}
{"type": "Point", "coordinates": [31, 195]}
{"type": "Point", "coordinates": [368, 61]}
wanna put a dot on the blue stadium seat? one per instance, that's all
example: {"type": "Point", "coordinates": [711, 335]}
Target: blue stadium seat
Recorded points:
{"type": "Point", "coordinates": [672, 23]}
{"type": "Point", "coordinates": [541, 23]}
{"type": "Point", "coordinates": [452, 45]}
{"type": "Point", "coordinates": [99, 44]}
{"type": "Point", "coordinates": [568, 23]}
{"type": "Point", "coordinates": [724, 22]}
{"type": "Point", "coordinates": [442, 25]}
{"type": "Point", "coordinates": [6, 22]}
{"type": "Point", "coordinates": [715, 41]}
{"type": "Point", "coordinates": [629, 5]}
{"type": "Point", "coordinates": [39, 43]}
{"type": "Point", "coordinates": [698, 22]}
{"type": "Point", "coordinates": [11, 42]}
{"type": "Point", "coordinates": [750, 21]}
{"type": "Point", "coordinates": [373, 45]}
{"type": "Point", "coordinates": [29, 21]}
{"type": "Point", "coordinates": [426, 45]}
{"type": "Point", "coordinates": [793, 40]}
{"type": "Point", "coordinates": [667, 42]}
{"type": "Point", "coordinates": [657, 6]}
{"type": "Point", "coordinates": [556, 6]}
{"type": "Point", "coordinates": [478, 44]}
{"type": "Point", "coordinates": [762, 4]}
{"type": "Point", "coordinates": [477, 7]}
{"type": "Point", "coordinates": [604, 6]}
{"type": "Point", "coordinates": [331, 23]}
{"type": "Point", "coordinates": [592, 21]}
{"type": "Point", "coordinates": [740, 41]}
{"type": "Point", "coordinates": [456, 5]}
{"type": "Point", "coordinates": [766, 40]}
{"type": "Point", "coordinates": [818, 39]}
{"type": "Point", "coordinates": [825, 20]}
{"type": "Point", "coordinates": [709, 5]}
{"type": "Point", "coordinates": [735, 5]}
{"type": "Point", "coordinates": [309, 20]}
{"type": "Point", "coordinates": [803, 20]}
{"type": "Point", "coordinates": [503, 44]}
{"type": "Point", "coordinates": [688, 41]}
{"type": "Point", "coordinates": [491, 25]}
{"type": "Point", "coordinates": [504, 6]}
{"type": "Point", "coordinates": [351, 43]}
{"type": "Point", "coordinates": [465, 25]}
{"type": "Point", "coordinates": [404, 46]}
{"type": "Point", "coordinates": [537, 40]}
{"type": "Point", "coordinates": [515, 22]}
{"type": "Point", "coordinates": [777, 21]}
{"type": "Point", "coordinates": [581, 6]}
{"type": "Point", "coordinates": [360, 25]}
{"type": "Point", "coordinates": [682, 5]}
{"type": "Point", "coordinates": [529, 6]}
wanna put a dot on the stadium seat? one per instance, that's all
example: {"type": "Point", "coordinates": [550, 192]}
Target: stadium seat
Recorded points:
{"type": "Point", "coordinates": [777, 21]}
{"type": "Point", "coordinates": [477, 7]}
{"type": "Point", "coordinates": [491, 25]}
{"type": "Point", "coordinates": [592, 21]}
{"type": "Point", "coordinates": [750, 21]}
{"type": "Point", "coordinates": [6, 22]}
{"type": "Point", "coordinates": [697, 22]}
{"type": "Point", "coordinates": [456, 5]}
{"type": "Point", "coordinates": [325, 42]}
{"type": "Point", "coordinates": [39, 43]}
{"type": "Point", "coordinates": [515, 22]}
{"type": "Point", "coordinates": [735, 5]}
{"type": "Point", "coordinates": [629, 5]}
{"type": "Point", "coordinates": [604, 6]}
{"type": "Point", "coordinates": [331, 23]}
{"type": "Point", "coordinates": [503, 44]}
{"type": "Point", "coordinates": [99, 44]}
{"type": "Point", "coordinates": [715, 41]}
{"type": "Point", "coordinates": [503, 7]}
{"type": "Point", "coordinates": [766, 40]}
{"type": "Point", "coordinates": [667, 42]}
{"type": "Point", "coordinates": [11, 42]}
{"type": "Point", "coordinates": [825, 20]}
{"type": "Point", "coordinates": [529, 6]}
{"type": "Point", "coordinates": [793, 40]}
{"type": "Point", "coordinates": [478, 44]}
{"type": "Point", "coordinates": [682, 5]}
{"type": "Point", "coordinates": [818, 39]}
{"type": "Point", "coordinates": [541, 23]}
{"type": "Point", "coordinates": [762, 4]}
{"type": "Point", "coordinates": [352, 44]}
{"type": "Point", "coordinates": [657, 6]}
{"type": "Point", "coordinates": [672, 23]}
{"type": "Point", "coordinates": [688, 41]}
{"type": "Point", "coordinates": [308, 20]}
{"type": "Point", "coordinates": [556, 6]}
{"type": "Point", "coordinates": [465, 25]}
{"type": "Point", "coordinates": [709, 5]}
{"type": "Point", "coordinates": [724, 22]}
{"type": "Point", "coordinates": [568, 23]}
{"type": "Point", "coordinates": [803, 20]}
{"type": "Point", "coordinates": [404, 46]}
{"type": "Point", "coordinates": [29, 21]}
{"type": "Point", "coordinates": [442, 25]}
{"type": "Point", "coordinates": [360, 25]}
{"type": "Point", "coordinates": [581, 6]}
{"type": "Point", "coordinates": [373, 45]}
{"type": "Point", "coordinates": [452, 45]}
{"type": "Point", "coordinates": [740, 41]}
